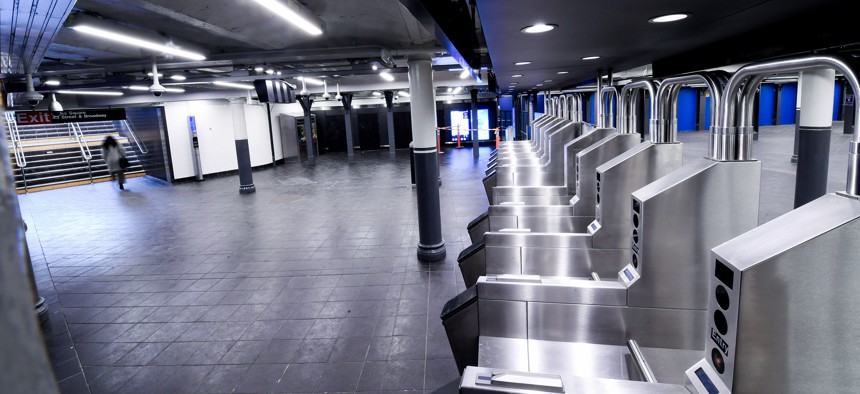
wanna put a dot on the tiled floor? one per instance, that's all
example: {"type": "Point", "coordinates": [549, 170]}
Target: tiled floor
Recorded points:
{"type": "Point", "coordinates": [309, 285]}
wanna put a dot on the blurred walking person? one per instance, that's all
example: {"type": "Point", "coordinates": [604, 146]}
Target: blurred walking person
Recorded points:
{"type": "Point", "coordinates": [114, 156]}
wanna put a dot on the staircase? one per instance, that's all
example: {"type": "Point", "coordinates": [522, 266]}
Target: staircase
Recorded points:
{"type": "Point", "coordinates": [52, 156]}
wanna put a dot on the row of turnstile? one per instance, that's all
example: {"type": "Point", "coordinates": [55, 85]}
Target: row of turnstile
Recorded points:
{"type": "Point", "coordinates": [607, 264]}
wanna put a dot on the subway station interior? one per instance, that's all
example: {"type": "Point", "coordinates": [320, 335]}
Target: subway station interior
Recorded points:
{"type": "Point", "coordinates": [433, 196]}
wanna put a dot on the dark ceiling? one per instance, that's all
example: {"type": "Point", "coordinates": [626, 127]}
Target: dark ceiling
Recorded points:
{"type": "Point", "coordinates": [619, 32]}
{"type": "Point", "coordinates": [237, 36]}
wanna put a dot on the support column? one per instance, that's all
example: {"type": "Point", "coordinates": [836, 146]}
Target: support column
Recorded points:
{"type": "Point", "coordinates": [22, 340]}
{"type": "Point", "coordinates": [796, 118]}
{"type": "Point", "coordinates": [243, 154]}
{"type": "Point", "coordinates": [389, 117]}
{"type": "Point", "coordinates": [271, 133]}
{"type": "Point", "coordinates": [346, 100]}
{"type": "Point", "coordinates": [473, 125]}
{"type": "Point", "coordinates": [307, 102]}
{"type": "Point", "coordinates": [431, 246]}
{"type": "Point", "coordinates": [816, 122]}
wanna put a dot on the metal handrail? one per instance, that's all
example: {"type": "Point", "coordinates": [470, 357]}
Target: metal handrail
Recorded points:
{"type": "Point", "coordinates": [15, 137]}
{"type": "Point", "coordinates": [79, 137]}
{"type": "Point", "coordinates": [128, 127]}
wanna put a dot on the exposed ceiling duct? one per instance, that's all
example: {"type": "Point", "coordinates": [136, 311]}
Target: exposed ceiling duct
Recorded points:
{"type": "Point", "coordinates": [27, 28]}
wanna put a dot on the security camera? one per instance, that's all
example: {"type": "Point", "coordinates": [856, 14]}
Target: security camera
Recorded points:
{"type": "Point", "coordinates": [32, 98]}
{"type": "Point", "coordinates": [156, 89]}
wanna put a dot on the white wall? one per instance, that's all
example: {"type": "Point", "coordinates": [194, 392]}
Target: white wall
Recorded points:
{"type": "Point", "coordinates": [215, 134]}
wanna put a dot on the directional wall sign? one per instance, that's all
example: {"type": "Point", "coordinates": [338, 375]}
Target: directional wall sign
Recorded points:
{"type": "Point", "coordinates": [24, 118]}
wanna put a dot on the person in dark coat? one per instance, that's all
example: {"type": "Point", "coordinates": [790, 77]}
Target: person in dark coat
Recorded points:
{"type": "Point", "coordinates": [114, 157]}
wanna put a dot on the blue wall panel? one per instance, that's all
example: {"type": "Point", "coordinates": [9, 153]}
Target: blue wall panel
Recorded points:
{"type": "Point", "coordinates": [766, 105]}
{"type": "Point", "coordinates": [788, 103]}
{"type": "Point", "coordinates": [506, 103]}
{"type": "Point", "coordinates": [593, 108]}
{"type": "Point", "coordinates": [539, 107]}
{"type": "Point", "coordinates": [687, 109]}
{"type": "Point", "coordinates": [707, 123]}
{"type": "Point", "coordinates": [837, 94]}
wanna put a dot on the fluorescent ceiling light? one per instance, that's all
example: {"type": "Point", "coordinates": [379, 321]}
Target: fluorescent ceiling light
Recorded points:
{"type": "Point", "coordinates": [547, 80]}
{"type": "Point", "coordinates": [149, 74]}
{"type": "Point", "coordinates": [522, 63]}
{"type": "Point", "coordinates": [458, 89]}
{"type": "Point", "coordinates": [312, 81]}
{"type": "Point", "coordinates": [562, 72]}
{"type": "Point", "coordinates": [258, 69]}
{"type": "Point", "coordinates": [177, 77]}
{"type": "Point", "coordinates": [591, 58]}
{"type": "Point", "coordinates": [129, 40]}
{"type": "Point", "coordinates": [386, 76]}
{"type": "Point", "coordinates": [516, 75]}
{"type": "Point", "coordinates": [377, 94]}
{"type": "Point", "coordinates": [668, 18]}
{"type": "Point", "coordinates": [270, 71]}
{"type": "Point", "coordinates": [91, 92]}
{"type": "Point", "coordinates": [279, 73]}
{"type": "Point", "coordinates": [52, 82]}
{"type": "Point", "coordinates": [538, 28]}
{"type": "Point", "coordinates": [290, 15]}
{"type": "Point", "coordinates": [450, 90]}
{"type": "Point", "coordinates": [233, 85]}
{"type": "Point", "coordinates": [464, 74]}
{"type": "Point", "coordinates": [448, 101]}
{"type": "Point", "coordinates": [403, 94]}
{"type": "Point", "coordinates": [539, 85]}
{"type": "Point", "coordinates": [146, 89]}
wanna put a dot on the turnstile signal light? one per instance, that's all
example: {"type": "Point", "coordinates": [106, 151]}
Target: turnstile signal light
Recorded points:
{"type": "Point", "coordinates": [717, 360]}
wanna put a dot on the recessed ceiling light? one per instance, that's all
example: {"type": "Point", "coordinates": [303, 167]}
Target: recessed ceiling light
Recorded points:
{"type": "Point", "coordinates": [591, 58]}
{"type": "Point", "coordinates": [668, 18]}
{"type": "Point", "coordinates": [464, 74]}
{"type": "Point", "coordinates": [52, 82]}
{"type": "Point", "coordinates": [386, 76]}
{"type": "Point", "coordinates": [539, 85]}
{"type": "Point", "coordinates": [402, 93]}
{"type": "Point", "coordinates": [450, 90]}
{"type": "Point", "coordinates": [522, 63]}
{"type": "Point", "coordinates": [562, 72]}
{"type": "Point", "coordinates": [458, 89]}
{"type": "Point", "coordinates": [547, 80]}
{"type": "Point", "coordinates": [538, 28]}
{"type": "Point", "coordinates": [178, 77]}
{"type": "Point", "coordinates": [259, 69]}
{"type": "Point", "coordinates": [516, 75]}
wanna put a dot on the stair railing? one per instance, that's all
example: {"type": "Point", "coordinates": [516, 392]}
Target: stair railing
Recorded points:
{"type": "Point", "coordinates": [86, 154]}
{"type": "Point", "coordinates": [131, 132]}
{"type": "Point", "coordinates": [15, 137]}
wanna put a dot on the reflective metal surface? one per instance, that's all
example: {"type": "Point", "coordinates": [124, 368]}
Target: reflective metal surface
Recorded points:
{"type": "Point", "coordinates": [786, 313]}
{"type": "Point", "coordinates": [621, 176]}
{"type": "Point", "coordinates": [586, 164]}
{"type": "Point", "coordinates": [572, 385]}
{"type": "Point", "coordinates": [680, 218]}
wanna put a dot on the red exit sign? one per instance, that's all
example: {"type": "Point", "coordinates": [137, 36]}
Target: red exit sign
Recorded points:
{"type": "Point", "coordinates": [31, 118]}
